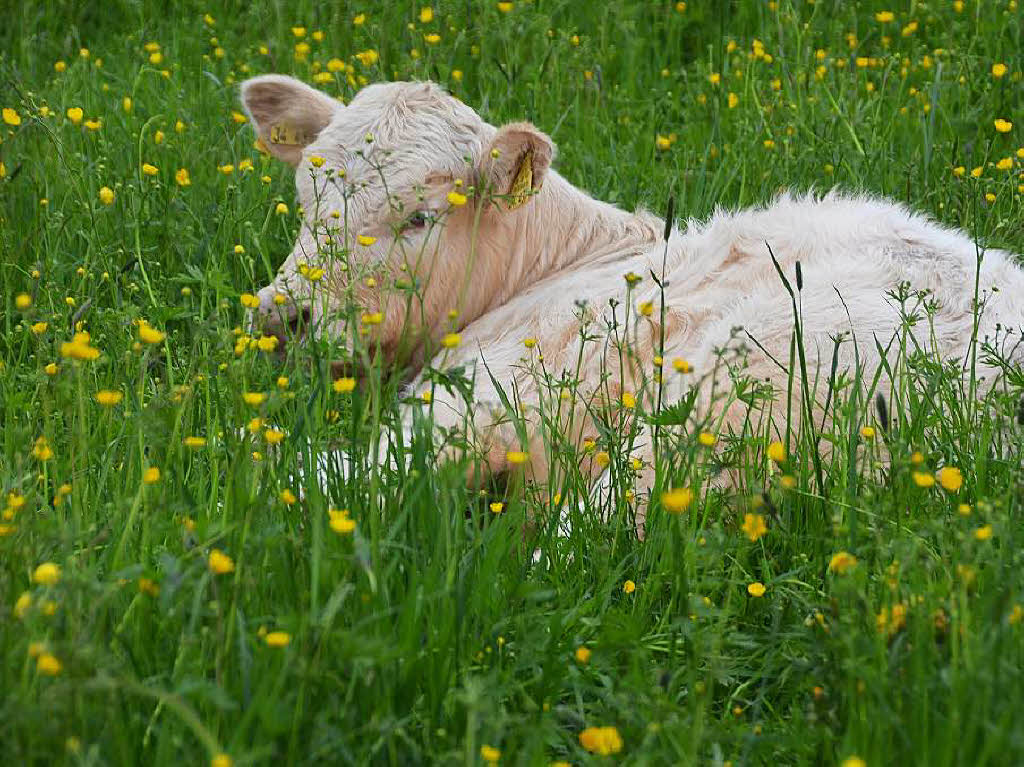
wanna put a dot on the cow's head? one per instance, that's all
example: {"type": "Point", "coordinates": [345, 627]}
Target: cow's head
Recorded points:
{"type": "Point", "coordinates": [387, 247]}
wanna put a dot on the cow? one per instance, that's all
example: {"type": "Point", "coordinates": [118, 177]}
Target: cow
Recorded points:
{"type": "Point", "coordinates": [461, 247]}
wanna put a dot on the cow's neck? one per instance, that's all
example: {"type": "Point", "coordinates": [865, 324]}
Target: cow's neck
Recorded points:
{"type": "Point", "coordinates": [562, 227]}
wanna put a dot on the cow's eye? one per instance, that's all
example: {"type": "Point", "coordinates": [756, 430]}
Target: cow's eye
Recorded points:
{"type": "Point", "coordinates": [417, 220]}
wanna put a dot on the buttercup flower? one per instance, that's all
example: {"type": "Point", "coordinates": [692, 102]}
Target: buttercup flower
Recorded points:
{"type": "Point", "coordinates": [603, 741]}
{"type": "Point", "coordinates": [340, 521]}
{"type": "Point", "coordinates": [47, 574]}
{"type": "Point", "coordinates": [756, 589]}
{"type": "Point", "coordinates": [951, 478]}
{"type": "Point", "coordinates": [277, 639]}
{"type": "Point", "coordinates": [220, 563]}
{"type": "Point", "coordinates": [842, 562]}
{"type": "Point", "coordinates": [754, 526]}
{"type": "Point", "coordinates": [677, 500]}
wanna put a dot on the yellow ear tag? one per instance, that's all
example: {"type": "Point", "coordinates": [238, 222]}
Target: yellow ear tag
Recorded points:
{"type": "Point", "coordinates": [522, 186]}
{"type": "Point", "coordinates": [286, 135]}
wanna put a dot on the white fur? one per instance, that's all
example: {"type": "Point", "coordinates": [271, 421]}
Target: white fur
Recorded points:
{"type": "Point", "coordinates": [517, 274]}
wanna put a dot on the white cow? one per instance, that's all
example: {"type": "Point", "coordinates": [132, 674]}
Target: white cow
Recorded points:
{"type": "Point", "coordinates": [514, 262]}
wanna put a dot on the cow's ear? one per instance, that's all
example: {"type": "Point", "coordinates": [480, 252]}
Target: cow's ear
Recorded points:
{"type": "Point", "coordinates": [287, 114]}
{"type": "Point", "coordinates": [516, 163]}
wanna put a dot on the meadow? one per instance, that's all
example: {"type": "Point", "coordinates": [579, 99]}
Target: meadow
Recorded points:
{"type": "Point", "coordinates": [171, 591]}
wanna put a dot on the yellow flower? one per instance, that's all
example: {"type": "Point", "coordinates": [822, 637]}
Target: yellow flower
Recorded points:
{"type": "Point", "coordinates": [267, 343]}
{"type": "Point", "coordinates": [42, 450]}
{"type": "Point", "coordinates": [288, 497]}
{"type": "Point", "coordinates": [249, 301]}
{"type": "Point", "coordinates": [75, 114]}
{"type": "Point", "coordinates": [603, 741]}
{"type": "Point", "coordinates": [754, 526]}
{"type": "Point", "coordinates": [951, 478]}
{"type": "Point", "coordinates": [47, 574]}
{"type": "Point", "coordinates": [628, 400]}
{"type": "Point", "coordinates": [432, 39]}
{"type": "Point", "coordinates": [221, 760]}
{"type": "Point", "coordinates": [714, 78]}
{"type": "Point", "coordinates": [22, 604]}
{"type": "Point", "coordinates": [149, 170]}
{"type": "Point", "coordinates": [998, 70]}
{"type": "Point", "coordinates": [108, 397]}
{"type": "Point", "coordinates": [707, 439]}
{"type": "Point", "coordinates": [451, 340]}
{"type": "Point", "coordinates": [733, 100]}
{"type": "Point", "coordinates": [756, 589]}
{"type": "Point", "coordinates": [151, 475]}
{"type": "Point", "coordinates": [777, 452]}
{"type": "Point", "coordinates": [1005, 164]}
{"type": "Point", "coordinates": [629, 587]}
{"type": "Point", "coordinates": [867, 432]}
{"type": "Point", "coordinates": [11, 116]}
{"type": "Point", "coordinates": [274, 436]}
{"type": "Point", "coordinates": [976, 172]}
{"type": "Point", "coordinates": [368, 58]}
{"type": "Point", "coordinates": [23, 301]}
{"type": "Point", "coordinates": [680, 365]}
{"type": "Point", "coordinates": [1003, 126]}
{"type": "Point", "coordinates": [48, 664]}
{"type": "Point", "coordinates": [677, 500]}
{"type": "Point", "coordinates": [516, 457]}
{"type": "Point", "coordinates": [842, 562]}
{"type": "Point", "coordinates": [583, 654]}
{"type": "Point", "coordinates": [341, 522]}
{"type": "Point", "coordinates": [359, 20]}
{"type": "Point", "coordinates": [106, 195]}
{"type": "Point", "coordinates": [497, 507]}
{"type": "Point", "coordinates": [194, 442]}
{"type": "Point", "coordinates": [254, 398]}
{"type": "Point", "coordinates": [158, 137]}
{"type": "Point", "coordinates": [426, 15]}
{"type": "Point", "coordinates": [220, 563]}
{"type": "Point", "coordinates": [505, 7]}
{"type": "Point", "coordinates": [344, 385]}
{"type": "Point", "coordinates": [923, 479]}
{"type": "Point", "coordinates": [277, 639]}
{"type": "Point", "coordinates": [884, 17]}
{"type": "Point", "coordinates": [456, 199]}
{"type": "Point", "coordinates": [662, 143]}
{"type": "Point", "coordinates": [366, 240]}
{"type": "Point", "coordinates": [490, 754]}
{"type": "Point", "coordinates": [853, 761]}
{"type": "Point", "coordinates": [983, 533]}
{"type": "Point", "coordinates": [182, 178]}
{"type": "Point", "coordinates": [150, 335]}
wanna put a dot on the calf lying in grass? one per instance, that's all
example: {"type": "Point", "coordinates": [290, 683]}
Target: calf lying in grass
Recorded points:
{"type": "Point", "coordinates": [437, 239]}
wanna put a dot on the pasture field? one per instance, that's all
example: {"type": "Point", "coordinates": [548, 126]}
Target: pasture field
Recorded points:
{"type": "Point", "coordinates": [171, 592]}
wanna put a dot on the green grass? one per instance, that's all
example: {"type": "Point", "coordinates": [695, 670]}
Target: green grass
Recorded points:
{"type": "Point", "coordinates": [428, 632]}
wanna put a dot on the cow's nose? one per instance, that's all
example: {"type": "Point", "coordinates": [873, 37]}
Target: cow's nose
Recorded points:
{"type": "Point", "coordinates": [278, 315]}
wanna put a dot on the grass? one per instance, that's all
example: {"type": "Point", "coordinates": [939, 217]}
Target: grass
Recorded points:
{"type": "Point", "coordinates": [427, 633]}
